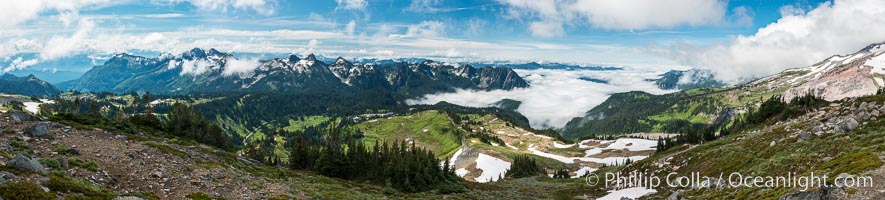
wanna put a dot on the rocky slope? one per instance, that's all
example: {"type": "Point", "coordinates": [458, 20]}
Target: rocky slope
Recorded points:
{"type": "Point", "coordinates": [835, 78]}
{"type": "Point", "coordinates": [840, 139]}
{"type": "Point", "coordinates": [205, 71]}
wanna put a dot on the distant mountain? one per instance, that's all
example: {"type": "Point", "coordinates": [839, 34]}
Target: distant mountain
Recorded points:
{"type": "Point", "coordinates": [210, 71]}
{"type": "Point", "coordinates": [557, 66]}
{"type": "Point", "coordinates": [29, 85]}
{"type": "Point", "coordinates": [687, 79]}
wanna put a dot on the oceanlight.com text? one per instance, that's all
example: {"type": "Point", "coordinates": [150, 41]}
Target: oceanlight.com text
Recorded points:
{"type": "Point", "coordinates": [726, 180]}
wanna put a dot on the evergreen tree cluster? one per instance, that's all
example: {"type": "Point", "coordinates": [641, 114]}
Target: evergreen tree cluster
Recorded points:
{"type": "Point", "coordinates": [487, 138]}
{"type": "Point", "coordinates": [187, 123]}
{"type": "Point", "coordinates": [399, 165]}
{"type": "Point", "coordinates": [561, 174]}
{"type": "Point", "coordinates": [524, 166]}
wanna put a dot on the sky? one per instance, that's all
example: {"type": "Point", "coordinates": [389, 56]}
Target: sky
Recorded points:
{"type": "Point", "coordinates": [734, 38]}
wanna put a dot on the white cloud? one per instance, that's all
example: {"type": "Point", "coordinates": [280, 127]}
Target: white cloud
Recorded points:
{"type": "Point", "coordinates": [195, 67]}
{"type": "Point", "coordinates": [556, 96]}
{"type": "Point", "coordinates": [20, 63]}
{"type": "Point", "coordinates": [549, 16]}
{"type": "Point", "coordinates": [163, 16]}
{"type": "Point", "coordinates": [60, 46]}
{"type": "Point", "coordinates": [263, 7]}
{"type": "Point", "coordinates": [475, 26]}
{"type": "Point", "coordinates": [16, 12]}
{"type": "Point", "coordinates": [313, 43]}
{"type": "Point", "coordinates": [234, 66]}
{"type": "Point", "coordinates": [423, 5]}
{"type": "Point", "coordinates": [352, 4]}
{"type": "Point", "coordinates": [798, 39]}
{"type": "Point", "coordinates": [423, 29]}
{"type": "Point", "coordinates": [350, 27]}
{"type": "Point", "coordinates": [546, 29]}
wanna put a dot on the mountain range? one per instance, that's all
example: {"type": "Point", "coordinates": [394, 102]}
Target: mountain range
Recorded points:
{"type": "Point", "coordinates": [211, 71]}
{"type": "Point", "coordinates": [29, 85]}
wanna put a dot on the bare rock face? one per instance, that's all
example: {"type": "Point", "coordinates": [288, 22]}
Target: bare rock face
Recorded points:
{"type": "Point", "coordinates": [835, 78]}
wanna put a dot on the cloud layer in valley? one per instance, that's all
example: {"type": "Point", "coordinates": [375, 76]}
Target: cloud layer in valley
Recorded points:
{"type": "Point", "coordinates": [555, 96]}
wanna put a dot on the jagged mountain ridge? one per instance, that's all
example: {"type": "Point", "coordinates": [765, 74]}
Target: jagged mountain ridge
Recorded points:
{"type": "Point", "coordinates": [29, 85]}
{"type": "Point", "coordinates": [201, 70]}
{"type": "Point", "coordinates": [835, 78]}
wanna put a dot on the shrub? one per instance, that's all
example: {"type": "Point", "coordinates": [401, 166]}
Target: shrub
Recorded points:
{"type": "Point", "coordinates": [18, 144]}
{"type": "Point", "coordinates": [49, 162]}
{"type": "Point", "coordinates": [66, 184]}
{"type": "Point", "coordinates": [23, 190]}
{"type": "Point", "coordinates": [91, 166]}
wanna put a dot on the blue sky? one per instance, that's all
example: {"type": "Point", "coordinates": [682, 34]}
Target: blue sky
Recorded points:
{"type": "Point", "coordinates": [646, 33]}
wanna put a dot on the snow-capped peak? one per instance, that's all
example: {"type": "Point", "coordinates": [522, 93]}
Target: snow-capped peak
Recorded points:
{"type": "Point", "coordinates": [340, 61]}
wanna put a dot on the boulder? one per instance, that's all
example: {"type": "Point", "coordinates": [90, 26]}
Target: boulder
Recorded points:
{"type": "Point", "coordinates": [72, 151]}
{"type": "Point", "coordinates": [27, 164]}
{"type": "Point", "coordinates": [6, 176]}
{"type": "Point", "coordinates": [19, 116]}
{"type": "Point", "coordinates": [862, 116]}
{"type": "Point", "coordinates": [804, 135]}
{"type": "Point", "coordinates": [875, 113]}
{"type": "Point", "coordinates": [772, 143]}
{"type": "Point", "coordinates": [40, 129]}
{"type": "Point", "coordinates": [62, 162]}
{"type": "Point", "coordinates": [848, 125]}
{"type": "Point", "coordinates": [675, 195]}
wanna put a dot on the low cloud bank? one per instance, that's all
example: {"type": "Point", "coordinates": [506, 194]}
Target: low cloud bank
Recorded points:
{"type": "Point", "coordinates": [556, 96]}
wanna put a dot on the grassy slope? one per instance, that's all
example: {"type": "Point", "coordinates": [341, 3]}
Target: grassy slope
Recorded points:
{"type": "Point", "coordinates": [440, 136]}
{"type": "Point", "coordinates": [749, 153]}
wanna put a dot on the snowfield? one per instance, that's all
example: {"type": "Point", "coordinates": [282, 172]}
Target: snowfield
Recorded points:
{"type": "Point", "coordinates": [34, 107]}
{"type": "Point", "coordinates": [491, 167]}
{"type": "Point", "coordinates": [630, 193]}
{"type": "Point", "coordinates": [632, 144]}
{"type": "Point", "coordinates": [629, 144]}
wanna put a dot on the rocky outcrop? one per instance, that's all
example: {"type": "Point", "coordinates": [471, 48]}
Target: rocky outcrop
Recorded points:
{"type": "Point", "coordinates": [26, 164]}
{"type": "Point", "coordinates": [39, 129]}
{"type": "Point", "coordinates": [19, 116]}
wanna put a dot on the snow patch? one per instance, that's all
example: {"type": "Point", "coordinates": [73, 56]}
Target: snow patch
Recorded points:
{"type": "Point", "coordinates": [491, 167]}
{"type": "Point", "coordinates": [461, 172]}
{"type": "Point", "coordinates": [583, 171]}
{"type": "Point", "coordinates": [878, 64]}
{"type": "Point", "coordinates": [562, 146]}
{"type": "Point", "coordinates": [630, 193]}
